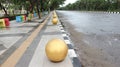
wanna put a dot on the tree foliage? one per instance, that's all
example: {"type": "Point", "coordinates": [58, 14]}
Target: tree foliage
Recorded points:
{"type": "Point", "coordinates": [55, 3]}
{"type": "Point", "coordinates": [4, 4]}
{"type": "Point", "coordinates": [30, 6]}
{"type": "Point", "coordinates": [103, 5]}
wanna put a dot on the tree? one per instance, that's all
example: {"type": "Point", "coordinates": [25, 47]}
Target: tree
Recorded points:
{"type": "Point", "coordinates": [30, 5]}
{"type": "Point", "coordinates": [94, 5]}
{"type": "Point", "coordinates": [54, 4]}
{"type": "Point", "coordinates": [2, 3]}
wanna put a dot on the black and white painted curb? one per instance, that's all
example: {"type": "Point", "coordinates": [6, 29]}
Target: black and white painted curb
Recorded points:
{"type": "Point", "coordinates": [71, 52]}
{"type": "Point", "coordinates": [107, 12]}
{"type": "Point", "coordinates": [114, 12]}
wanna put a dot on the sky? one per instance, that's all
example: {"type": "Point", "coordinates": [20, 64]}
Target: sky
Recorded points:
{"type": "Point", "coordinates": [69, 1]}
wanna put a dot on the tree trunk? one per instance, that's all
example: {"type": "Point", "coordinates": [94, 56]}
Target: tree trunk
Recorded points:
{"type": "Point", "coordinates": [48, 6]}
{"type": "Point", "coordinates": [41, 8]}
{"type": "Point", "coordinates": [27, 12]}
{"type": "Point", "coordinates": [6, 14]}
{"type": "Point", "coordinates": [31, 6]}
{"type": "Point", "coordinates": [21, 11]}
{"type": "Point", "coordinates": [118, 4]}
{"type": "Point", "coordinates": [13, 12]}
{"type": "Point", "coordinates": [38, 12]}
{"type": "Point", "coordinates": [37, 8]}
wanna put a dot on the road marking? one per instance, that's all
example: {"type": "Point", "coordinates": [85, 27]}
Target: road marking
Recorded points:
{"type": "Point", "coordinates": [14, 58]}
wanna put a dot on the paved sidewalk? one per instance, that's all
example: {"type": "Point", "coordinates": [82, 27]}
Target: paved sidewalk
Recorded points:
{"type": "Point", "coordinates": [38, 57]}
{"type": "Point", "coordinates": [35, 56]}
{"type": "Point", "coordinates": [12, 37]}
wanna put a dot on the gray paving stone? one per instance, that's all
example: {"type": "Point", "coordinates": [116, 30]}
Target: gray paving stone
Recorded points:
{"type": "Point", "coordinates": [2, 47]}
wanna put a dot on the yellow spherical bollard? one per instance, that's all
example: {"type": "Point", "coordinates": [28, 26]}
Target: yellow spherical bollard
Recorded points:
{"type": "Point", "coordinates": [54, 13]}
{"type": "Point", "coordinates": [54, 16]}
{"type": "Point", "coordinates": [56, 50]}
{"type": "Point", "coordinates": [55, 21]}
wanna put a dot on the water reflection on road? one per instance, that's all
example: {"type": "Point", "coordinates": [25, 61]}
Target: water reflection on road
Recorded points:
{"type": "Point", "coordinates": [94, 22]}
{"type": "Point", "coordinates": [100, 29]}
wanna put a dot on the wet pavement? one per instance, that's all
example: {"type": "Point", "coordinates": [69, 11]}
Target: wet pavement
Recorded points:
{"type": "Point", "coordinates": [94, 22]}
{"type": "Point", "coordinates": [99, 30]}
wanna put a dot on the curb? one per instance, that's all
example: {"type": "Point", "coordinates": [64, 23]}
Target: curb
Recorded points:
{"type": "Point", "coordinates": [111, 12]}
{"type": "Point", "coordinates": [71, 52]}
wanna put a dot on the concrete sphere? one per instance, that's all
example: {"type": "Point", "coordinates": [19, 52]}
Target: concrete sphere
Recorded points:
{"type": "Point", "coordinates": [55, 21]}
{"type": "Point", "coordinates": [54, 16]}
{"type": "Point", "coordinates": [56, 50]}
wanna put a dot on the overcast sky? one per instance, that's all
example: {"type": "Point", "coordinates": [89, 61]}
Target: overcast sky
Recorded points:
{"type": "Point", "coordinates": [69, 1]}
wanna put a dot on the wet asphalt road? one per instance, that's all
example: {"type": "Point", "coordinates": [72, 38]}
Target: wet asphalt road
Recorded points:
{"type": "Point", "coordinates": [94, 22]}
{"type": "Point", "coordinates": [101, 30]}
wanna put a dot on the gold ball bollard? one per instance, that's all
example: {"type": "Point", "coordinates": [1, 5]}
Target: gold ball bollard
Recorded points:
{"type": "Point", "coordinates": [56, 50]}
{"type": "Point", "coordinates": [54, 16]}
{"type": "Point", "coordinates": [54, 21]}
